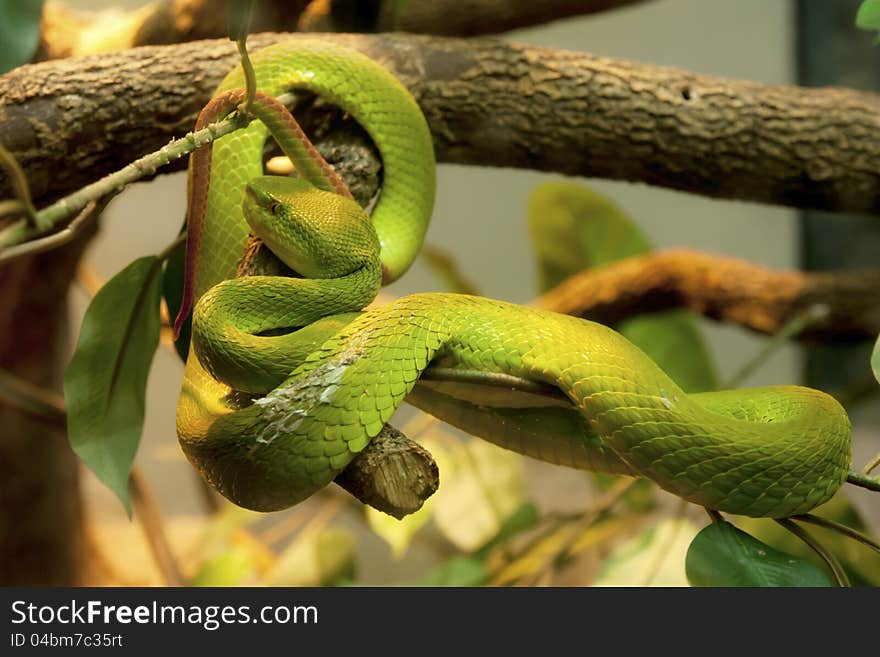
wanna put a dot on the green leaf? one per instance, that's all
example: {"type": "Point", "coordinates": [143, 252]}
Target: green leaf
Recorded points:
{"type": "Point", "coordinates": [457, 571]}
{"type": "Point", "coordinates": [19, 31]}
{"type": "Point", "coordinates": [238, 18]}
{"type": "Point", "coordinates": [574, 228]}
{"type": "Point", "coordinates": [860, 562]}
{"type": "Point", "coordinates": [875, 359]}
{"type": "Point", "coordinates": [105, 383]}
{"type": "Point", "coordinates": [722, 555]}
{"type": "Point", "coordinates": [172, 292]}
{"type": "Point", "coordinates": [868, 16]}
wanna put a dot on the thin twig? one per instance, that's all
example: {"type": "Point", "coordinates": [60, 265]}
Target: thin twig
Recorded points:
{"type": "Point", "coordinates": [493, 379]}
{"type": "Point", "coordinates": [810, 316]}
{"type": "Point", "coordinates": [840, 528]}
{"type": "Point", "coordinates": [870, 465]}
{"type": "Point", "coordinates": [250, 77]}
{"type": "Point", "coordinates": [19, 183]}
{"type": "Point", "coordinates": [863, 480]}
{"type": "Point", "coordinates": [11, 207]}
{"type": "Point", "coordinates": [49, 407]}
{"type": "Point", "coordinates": [165, 253]}
{"type": "Point", "coordinates": [146, 509]}
{"type": "Point", "coordinates": [714, 515]}
{"type": "Point", "coordinates": [38, 402]}
{"type": "Point", "coordinates": [579, 523]}
{"type": "Point", "coordinates": [446, 268]}
{"type": "Point", "coordinates": [51, 216]}
{"type": "Point", "coordinates": [63, 236]}
{"type": "Point", "coordinates": [830, 560]}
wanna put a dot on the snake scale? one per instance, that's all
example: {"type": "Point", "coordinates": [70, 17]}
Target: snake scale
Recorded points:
{"type": "Point", "coordinates": [270, 414]}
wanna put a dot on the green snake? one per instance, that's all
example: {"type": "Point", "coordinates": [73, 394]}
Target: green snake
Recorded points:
{"type": "Point", "coordinates": [270, 414]}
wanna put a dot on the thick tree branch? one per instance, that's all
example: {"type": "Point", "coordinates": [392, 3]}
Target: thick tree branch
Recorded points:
{"type": "Point", "coordinates": [487, 103]}
{"type": "Point", "coordinates": [476, 17]}
{"type": "Point", "coordinates": [393, 474]}
{"type": "Point", "coordinates": [725, 289]}
{"type": "Point", "coordinates": [451, 17]}
{"type": "Point", "coordinates": [67, 32]}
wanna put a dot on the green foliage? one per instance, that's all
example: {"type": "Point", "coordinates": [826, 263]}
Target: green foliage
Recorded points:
{"type": "Point", "coordinates": [238, 18]}
{"type": "Point", "coordinates": [868, 16]}
{"type": "Point", "coordinates": [19, 31]}
{"type": "Point", "coordinates": [875, 360]}
{"type": "Point", "coordinates": [722, 555]}
{"type": "Point", "coordinates": [458, 571]}
{"type": "Point", "coordinates": [105, 383]}
{"type": "Point", "coordinates": [574, 228]}
{"type": "Point", "coordinates": [172, 292]}
{"type": "Point", "coordinates": [861, 563]}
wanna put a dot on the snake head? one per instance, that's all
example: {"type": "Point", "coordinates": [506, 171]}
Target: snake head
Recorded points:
{"type": "Point", "coordinates": [316, 233]}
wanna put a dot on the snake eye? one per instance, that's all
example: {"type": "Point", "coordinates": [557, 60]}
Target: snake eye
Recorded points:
{"type": "Point", "coordinates": [275, 208]}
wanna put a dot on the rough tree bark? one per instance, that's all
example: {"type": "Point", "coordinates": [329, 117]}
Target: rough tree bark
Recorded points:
{"type": "Point", "coordinates": [488, 103]}
{"type": "Point", "coordinates": [725, 289]}
{"type": "Point", "coordinates": [583, 115]}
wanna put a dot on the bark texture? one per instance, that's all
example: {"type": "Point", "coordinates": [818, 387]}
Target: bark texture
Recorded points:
{"type": "Point", "coordinates": [393, 474]}
{"type": "Point", "coordinates": [725, 289]}
{"type": "Point", "coordinates": [487, 103]}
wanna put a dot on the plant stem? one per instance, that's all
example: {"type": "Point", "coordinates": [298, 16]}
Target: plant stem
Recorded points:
{"type": "Point", "coordinates": [863, 480]}
{"type": "Point", "coordinates": [250, 77]}
{"type": "Point", "coordinates": [19, 185]}
{"type": "Point", "coordinates": [54, 214]}
{"type": "Point", "coordinates": [49, 406]}
{"type": "Point", "coordinates": [146, 509]}
{"type": "Point", "coordinates": [63, 236]}
{"type": "Point", "coordinates": [33, 400]}
{"type": "Point", "coordinates": [870, 465]}
{"type": "Point", "coordinates": [811, 315]}
{"type": "Point", "coordinates": [840, 528]}
{"type": "Point", "coordinates": [714, 515]}
{"type": "Point", "coordinates": [492, 379]}
{"type": "Point", "coordinates": [836, 569]}
{"type": "Point", "coordinates": [165, 253]}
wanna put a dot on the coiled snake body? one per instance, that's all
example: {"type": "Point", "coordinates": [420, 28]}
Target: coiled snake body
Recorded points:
{"type": "Point", "coordinates": [270, 419]}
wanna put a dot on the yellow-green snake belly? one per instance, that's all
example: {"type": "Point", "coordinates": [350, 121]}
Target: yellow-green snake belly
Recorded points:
{"type": "Point", "coordinates": [775, 451]}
